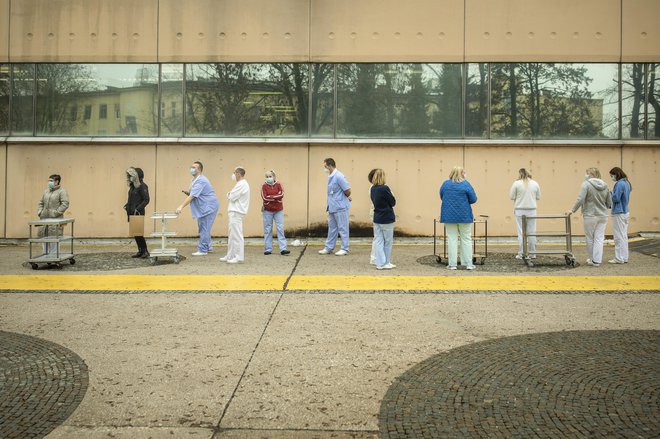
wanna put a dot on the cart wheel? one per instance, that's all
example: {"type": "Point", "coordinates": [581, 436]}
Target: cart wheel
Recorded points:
{"type": "Point", "coordinates": [153, 260]}
{"type": "Point", "coordinates": [177, 259]}
{"type": "Point", "coordinates": [529, 262]}
{"type": "Point", "coordinates": [72, 261]}
{"type": "Point", "coordinates": [483, 261]}
{"type": "Point", "coordinates": [34, 266]}
{"type": "Point", "coordinates": [474, 260]}
{"type": "Point", "coordinates": [439, 259]}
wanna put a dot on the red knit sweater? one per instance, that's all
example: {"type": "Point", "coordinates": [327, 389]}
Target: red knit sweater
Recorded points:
{"type": "Point", "coordinates": [272, 196]}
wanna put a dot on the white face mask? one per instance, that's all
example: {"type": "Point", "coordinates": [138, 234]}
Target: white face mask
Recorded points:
{"type": "Point", "coordinates": [613, 177]}
{"type": "Point", "coordinates": [233, 177]}
{"type": "Point", "coordinates": [193, 171]}
{"type": "Point", "coordinates": [327, 171]}
{"type": "Point", "coordinates": [586, 177]}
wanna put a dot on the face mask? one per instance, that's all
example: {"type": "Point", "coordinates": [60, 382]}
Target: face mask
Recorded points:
{"type": "Point", "coordinates": [464, 175]}
{"type": "Point", "coordinates": [613, 177]}
{"type": "Point", "coordinates": [270, 180]}
{"type": "Point", "coordinates": [233, 177]}
{"type": "Point", "coordinates": [51, 184]}
{"type": "Point", "coordinates": [326, 170]}
{"type": "Point", "coordinates": [131, 178]}
{"type": "Point", "coordinates": [193, 171]}
{"type": "Point", "coordinates": [586, 177]}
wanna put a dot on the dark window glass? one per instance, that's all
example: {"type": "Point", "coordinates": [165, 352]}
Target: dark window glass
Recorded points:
{"type": "Point", "coordinates": [117, 112]}
{"type": "Point", "coordinates": [60, 86]}
{"type": "Point", "coordinates": [476, 100]}
{"type": "Point", "coordinates": [399, 100]}
{"type": "Point", "coordinates": [323, 98]}
{"type": "Point", "coordinates": [73, 113]}
{"type": "Point", "coordinates": [171, 90]}
{"type": "Point", "coordinates": [246, 99]}
{"type": "Point", "coordinates": [545, 100]}
{"type": "Point", "coordinates": [654, 101]}
{"type": "Point", "coordinates": [4, 99]}
{"type": "Point", "coordinates": [22, 99]}
{"type": "Point", "coordinates": [632, 100]}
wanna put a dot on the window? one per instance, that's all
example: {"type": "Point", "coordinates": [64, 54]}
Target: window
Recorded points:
{"type": "Point", "coordinates": [246, 99]}
{"type": "Point", "coordinates": [653, 127]}
{"type": "Point", "coordinates": [162, 109]}
{"type": "Point", "coordinates": [22, 117]}
{"type": "Point", "coordinates": [173, 109]}
{"type": "Point", "coordinates": [73, 113]}
{"type": "Point", "coordinates": [103, 111]}
{"type": "Point", "coordinates": [399, 100]}
{"type": "Point", "coordinates": [545, 100]}
{"type": "Point", "coordinates": [117, 112]}
{"type": "Point", "coordinates": [4, 99]}
{"type": "Point", "coordinates": [88, 112]}
{"type": "Point", "coordinates": [476, 100]}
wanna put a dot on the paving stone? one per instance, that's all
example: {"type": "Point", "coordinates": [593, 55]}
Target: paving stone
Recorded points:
{"type": "Point", "coordinates": [41, 384]}
{"type": "Point", "coordinates": [560, 384]}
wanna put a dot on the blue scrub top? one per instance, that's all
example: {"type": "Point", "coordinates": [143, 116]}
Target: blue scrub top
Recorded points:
{"type": "Point", "coordinates": [205, 201]}
{"type": "Point", "coordinates": [337, 200]}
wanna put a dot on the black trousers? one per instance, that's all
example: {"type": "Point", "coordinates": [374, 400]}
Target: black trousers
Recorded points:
{"type": "Point", "coordinates": [141, 243]}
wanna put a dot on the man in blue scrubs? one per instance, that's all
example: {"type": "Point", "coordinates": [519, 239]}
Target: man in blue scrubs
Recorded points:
{"type": "Point", "coordinates": [339, 203]}
{"type": "Point", "coordinates": [204, 206]}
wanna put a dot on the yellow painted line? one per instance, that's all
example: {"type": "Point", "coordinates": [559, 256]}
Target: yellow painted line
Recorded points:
{"type": "Point", "coordinates": [141, 282]}
{"type": "Point", "coordinates": [475, 283]}
{"type": "Point", "coordinates": [466, 282]}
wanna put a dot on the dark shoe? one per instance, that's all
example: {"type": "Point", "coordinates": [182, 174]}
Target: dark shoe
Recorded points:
{"type": "Point", "coordinates": [267, 252]}
{"type": "Point", "coordinates": [145, 254]}
{"type": "Point", "coordinates": [285, 252]}
{"type": "Point", "coordinates": [137, 255]}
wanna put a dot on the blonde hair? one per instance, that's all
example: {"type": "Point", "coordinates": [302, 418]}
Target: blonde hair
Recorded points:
{"type": "Point", "coordinates": [456, 174]}
{"type": "Point", "coordinates": [594, 172]}
{"type": "Point", "coordinates": [271, 172]}
{"type": "Point", "coordinates": [379, 177]}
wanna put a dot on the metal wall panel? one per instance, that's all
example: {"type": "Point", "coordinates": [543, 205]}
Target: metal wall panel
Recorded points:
{"type": "Point", "coordinates": [641, 31]}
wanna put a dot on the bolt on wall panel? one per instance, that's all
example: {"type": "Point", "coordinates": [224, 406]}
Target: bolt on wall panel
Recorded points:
{"type": "Point", "coordinates": [541, 30]}
{"type": "Point", "coordinates": [83, 30]}
{"type": "Point", "coordinates": [387, 30]}
{"type": "Point", "coordinates": [641, 31]}
{"type": "Point", "coordinates": [234, 30]}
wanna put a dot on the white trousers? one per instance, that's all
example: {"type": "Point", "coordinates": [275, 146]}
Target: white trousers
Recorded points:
{"type": "Point", "coordinates": [531, 228]}
{"type": "Point", "coordinates": [456, 231]}
{"type": "Point", "coordinates": [594, 234]}
{"type": "Point", "coordinates": [620, 231]}
{"type": "Point", "coordinates": [235, 242]}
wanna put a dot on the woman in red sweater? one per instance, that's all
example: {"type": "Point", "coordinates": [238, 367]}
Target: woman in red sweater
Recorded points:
{"type": "Point", "coordinates": [273, 210]}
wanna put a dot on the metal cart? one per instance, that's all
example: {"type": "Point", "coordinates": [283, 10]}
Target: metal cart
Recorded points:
{"type": "Point", "coordinates": [567, 252]}
{"type": "Point", "coordinates": [482, 241]}
{"type": "Point", "coordinates": [163, 234]}
{"type": "Point", "coordinates": [59, 255]}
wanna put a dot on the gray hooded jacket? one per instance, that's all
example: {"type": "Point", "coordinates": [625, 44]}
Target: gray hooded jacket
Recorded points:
{"type": "Point", "coordinates": [595, 198]}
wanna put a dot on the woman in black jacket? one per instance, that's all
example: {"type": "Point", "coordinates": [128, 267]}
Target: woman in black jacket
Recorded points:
{"type": "Point", "coordinates": [138, 198]}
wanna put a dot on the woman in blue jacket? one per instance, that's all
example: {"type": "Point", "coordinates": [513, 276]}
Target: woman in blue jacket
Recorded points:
{"type": "Point", "coordinates": [384, 218]}
{"type": "Point", "coordinates": [620, 215]}
{"type": "Point", "coordinates": [457, 195]}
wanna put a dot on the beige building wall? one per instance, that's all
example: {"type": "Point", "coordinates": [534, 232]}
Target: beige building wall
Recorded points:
{"type": "Point", "coordinates": [93, 175]}
{"type": "Point", "coordinates": [640, 39]}
{"type": "Point", "coordinates": [641, 164]}
{"type": "Point", "coordinates": [4, 30]}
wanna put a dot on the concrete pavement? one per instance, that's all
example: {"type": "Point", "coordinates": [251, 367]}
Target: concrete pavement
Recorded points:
{"type": "Point", "coordinates": [306, 361]}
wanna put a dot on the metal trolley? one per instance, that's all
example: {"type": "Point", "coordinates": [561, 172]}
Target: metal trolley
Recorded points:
{"type": "Point", "coordinates": [60, 255]}
{"type": "Point", "coordinates": [163, 234]}
{"type": "Point", "coordinates": [481, 241]}
{"type": "Point", "coordinates": [567, 252]}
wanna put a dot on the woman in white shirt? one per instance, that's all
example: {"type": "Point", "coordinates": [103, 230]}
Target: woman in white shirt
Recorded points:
{"type": "Point", "coordinates": [524, 193]}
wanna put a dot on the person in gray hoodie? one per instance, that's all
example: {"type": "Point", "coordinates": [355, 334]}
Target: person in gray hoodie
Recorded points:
{"type": "Point", "coordinates": [595, 199]}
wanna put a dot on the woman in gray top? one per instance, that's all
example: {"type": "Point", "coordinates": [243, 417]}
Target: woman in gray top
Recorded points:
{"type": "Point", "coordinates": [53, 203]}
{"type": "Point", "coordinates": [595, 200]}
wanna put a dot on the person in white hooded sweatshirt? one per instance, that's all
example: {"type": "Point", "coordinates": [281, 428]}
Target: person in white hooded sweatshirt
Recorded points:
{"type": "Point", "coordinates": [524, 193]}
{"type": "Point", "coordinates": [239, 202]}
{"type": "Point", "coordinates": [595, 199]}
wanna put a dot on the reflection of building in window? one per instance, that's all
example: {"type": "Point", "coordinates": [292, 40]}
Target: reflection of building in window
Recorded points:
{"type": "Point", "coordinates": [117, 113]}
{"type": "Point", "coordinates": [88, 112]}
{"type": "Point", "coordinates": [131, 125]}
{"type": "Point", "coordinates": [162, 109]}
{"type": "Point", "coordinates": [73, 113]}
{"type": "Point", "coordinates": [103, 111]}
{"type": "Point", "coordinates": [173, 109]}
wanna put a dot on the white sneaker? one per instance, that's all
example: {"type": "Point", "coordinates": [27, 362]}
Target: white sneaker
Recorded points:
{"type": "Point", "coordinates": [518, 256]}
{"type": "Point", "coordinates": [372, 262]}
{"type": "Point", "coordinates": [199, 254]}
{"type": "Point", "coordinates": [588, 261]}
{"type": "Point", "coordinates": [389, 266]}
{"type": "Point", "coordinates": [593, 264]}
{"type": "Point", "coordinates": [224, 258]}
{"type": "Point", "coordinates": [451, 267]}
{"type": "Point", "coordinates": [233, 261]}
{"type": "Point", "coordinates": [341, 253]}
{"type": "Point", "coordinates": [615, 261]}
{"type": "Point", "coordinates": [324, 252]}
{"type": "Point", "coordinates": [470, 267]}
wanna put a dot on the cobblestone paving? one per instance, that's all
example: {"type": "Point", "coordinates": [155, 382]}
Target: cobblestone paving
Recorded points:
{"type": "Point", "coordinates": [41, 384]}
{"type": "Point", "coordinates": [507, 263]}
{"type": "Point", "coordinates": [551, 385]}
{"type": "Point", "coordinates": [103, 262]}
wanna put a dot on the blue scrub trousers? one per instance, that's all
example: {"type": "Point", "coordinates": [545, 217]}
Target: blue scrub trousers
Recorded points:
{"type": "Point", "coordinates": [204, 225]}
{"type": "Point", "coordinates": [337, 225]}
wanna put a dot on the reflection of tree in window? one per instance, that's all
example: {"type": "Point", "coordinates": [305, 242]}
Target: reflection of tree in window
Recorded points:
{"type": "Point", "coordinates": [4, 98]}
{"type": "Point", "coordinates": [544, 100]}
{"type": "Point", "coordinates": [632, 100]}
{"type": "Point", "coordinates": [654, 101]}
{"type": "Point", "coordinates": [73, 113]}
